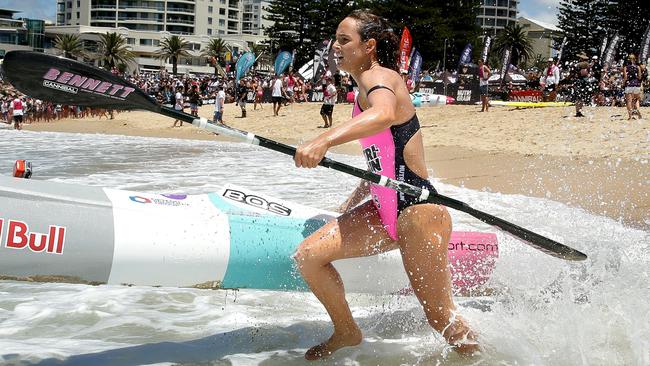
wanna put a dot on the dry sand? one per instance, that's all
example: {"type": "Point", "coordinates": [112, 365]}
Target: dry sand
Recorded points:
{"type": "Point", "coordinates": [600, 163]}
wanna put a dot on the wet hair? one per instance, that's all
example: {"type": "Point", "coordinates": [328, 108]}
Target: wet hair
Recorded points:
{"type": "Point", "coordinates": [370, 26]}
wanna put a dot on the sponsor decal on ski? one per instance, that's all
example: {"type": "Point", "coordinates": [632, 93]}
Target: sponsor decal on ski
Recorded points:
{"type": "Point", "coordinates": [20, 237]}
{"type": "Point", "coordinates": [257, 201]}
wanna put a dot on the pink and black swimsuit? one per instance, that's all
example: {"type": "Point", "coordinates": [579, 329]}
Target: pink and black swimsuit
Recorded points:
{"type": "Point", "coordinates": [384, 153]}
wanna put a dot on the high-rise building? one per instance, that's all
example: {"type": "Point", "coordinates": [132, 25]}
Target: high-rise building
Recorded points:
{"type": "Point", "coordinates": [20, 34]}
{"type": "Point", "coordinates": [495, 15]}
{"type": "Point", "coordinates": [145, 23]}
{"type": "Point", "coordinates": [183, 17]}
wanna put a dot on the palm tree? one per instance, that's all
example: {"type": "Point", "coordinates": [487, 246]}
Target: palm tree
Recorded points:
{"type": "Point", "coordinates": [70, 44]}
{"type": "Point", "coordinates": [113, 50]}
{"type": "Point", "coordinates": [215, 48]}
{"type": "Point", "coordinates": [173, 48]}
{"type": "Point", "coordinates": [513, 36]}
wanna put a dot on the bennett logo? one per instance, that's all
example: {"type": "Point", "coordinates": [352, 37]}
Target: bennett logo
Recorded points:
{"type": "Point", "coordinates": [256, 201]}
{"type": "Point", "coordinates": [61, 80]}
{"type": "Point", "coordinates": [19, 237]}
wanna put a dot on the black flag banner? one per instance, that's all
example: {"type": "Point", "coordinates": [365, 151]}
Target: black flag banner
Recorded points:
{"type": "Point", "coordinates": [486, 48]}
{"type": "Point", "coordinates": [506, 65]}
{"type": "Point", "coordinates": [611, 50]}
{"type": "Point", "coordinates": [645, 46]}
{"type": "Point", "coordinates": [320, 59]}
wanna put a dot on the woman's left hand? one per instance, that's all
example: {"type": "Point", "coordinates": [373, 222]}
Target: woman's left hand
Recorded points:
{"type": "Point", "coordinates": [308, 155]}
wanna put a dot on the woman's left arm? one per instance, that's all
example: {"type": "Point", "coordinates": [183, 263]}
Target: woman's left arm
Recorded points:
{"type": "Point", "coordinates": [378, 117]}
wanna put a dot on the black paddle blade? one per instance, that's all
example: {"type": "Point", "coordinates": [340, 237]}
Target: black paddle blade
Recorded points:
{"type": "Point", "coordinates": [539, 242]}
{"type": "Point", "coordinates": [66, 81]}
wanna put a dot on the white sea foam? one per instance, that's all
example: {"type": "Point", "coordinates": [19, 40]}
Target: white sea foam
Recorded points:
{"type": "Point", "coordinates": [546, 311]}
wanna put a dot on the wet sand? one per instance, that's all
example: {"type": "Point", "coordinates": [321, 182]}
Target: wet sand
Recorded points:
{"type": "Point", "coordinates": [600, 163]}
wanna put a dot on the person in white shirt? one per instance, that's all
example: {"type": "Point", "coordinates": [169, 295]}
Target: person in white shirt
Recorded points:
{"type": "Point", "coordinates": [329, 99]}
{"type": "Point", "coordinates": [549, 81]}
{"type": "Point", "coordinates": [276, 94]}
{"type": "Point", "coordinates": [179, 105]}
{"type": "Point", "coordinates": [219, 102]}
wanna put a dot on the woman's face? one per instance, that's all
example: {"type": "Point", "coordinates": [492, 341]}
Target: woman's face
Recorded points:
{"type": "Point", "coordinates": [350, 52]}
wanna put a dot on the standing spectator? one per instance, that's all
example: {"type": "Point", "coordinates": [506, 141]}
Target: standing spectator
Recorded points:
{"type": "Point", "coordinates": [4, 109]}
{"type": "Point", "coordinates": [329, 99]}
{"type": "Point", "coordinates": [632, 81]}
{"type": "Point", "coordinates": [18, 106]}
{"type": "Point", "coordinates": [259, 93]}
{"type": "Point", "coordinates": [483, 76]}
{"type": "Point", "coordinates": [219, 103]}
{"type": "Point", "coordinates": [582, 86]}
{"type": "Point", "coordinates": [291, 83]}
{"type": "Point", "coordinates": [242, 96]}
{"type": "Point", "coordinates": [276, 94]}
{"type": "Point", "coordinates": [549, 81]}
{"type": "Point", "coordinates": [194, 99]}
{"type": "Point", "coordinates": [179, 104]}
{"type": "Point", "coordinates": [644, 80]}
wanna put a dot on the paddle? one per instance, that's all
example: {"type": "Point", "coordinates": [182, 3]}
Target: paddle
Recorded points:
{"type": "Point", "coordinates": [67, 81]}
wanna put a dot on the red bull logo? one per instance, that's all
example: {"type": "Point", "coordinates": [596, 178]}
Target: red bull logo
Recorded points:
{"type": "Point", "coordinates": [20, 237]}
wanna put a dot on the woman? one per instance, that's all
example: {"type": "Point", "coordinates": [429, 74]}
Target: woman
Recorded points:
{"type": "Point", "coordinates": [259, 93]}
{"type": "Point", "coordinates": [632, 82]}
{"type": "Point", "coordinates": [383, 113]}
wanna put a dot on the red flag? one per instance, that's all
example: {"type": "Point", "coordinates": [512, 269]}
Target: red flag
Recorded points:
{"type": "Point", "coordinates": [405, 50]}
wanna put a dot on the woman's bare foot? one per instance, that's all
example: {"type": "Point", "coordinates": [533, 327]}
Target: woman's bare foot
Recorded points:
{"type": "Point", "coordinates": [461, 336]}
{"type": "Point", "coordinates": [336, 341]}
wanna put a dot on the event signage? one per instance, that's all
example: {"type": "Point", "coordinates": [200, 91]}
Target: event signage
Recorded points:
{"type": "Point", "coordinates": [282, 61]}
{"type": "Point", "coordinates": [405, 50]}
{"type": "Point", "coordinates": [244, 63]}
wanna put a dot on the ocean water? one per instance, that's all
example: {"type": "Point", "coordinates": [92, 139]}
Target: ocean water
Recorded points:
{"type": "Point", "coordinates": [544, 311]}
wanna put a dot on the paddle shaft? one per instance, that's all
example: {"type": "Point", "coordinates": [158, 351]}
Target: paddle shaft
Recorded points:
{"type": "Point", "coordinates": [533, 239]}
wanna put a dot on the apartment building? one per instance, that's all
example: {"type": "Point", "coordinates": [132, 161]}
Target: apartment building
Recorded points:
{"type": "Point", "coordinates": [20, 34]}
{"type": "Point", "coordinates": [144, 23]}
{"type": "Point", "coordinates": [183, 17]}
{"type": "Point", "coordinates": [495, 15]}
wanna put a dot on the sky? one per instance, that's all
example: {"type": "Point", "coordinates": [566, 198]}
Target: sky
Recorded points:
{"type": "Point", "coordinates": [544, 10]}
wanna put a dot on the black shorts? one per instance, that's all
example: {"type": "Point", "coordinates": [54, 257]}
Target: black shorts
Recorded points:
{"type": "Point", "coordinates": [18, 119]}
{"type": "Point", "coordinates": [583, 91]}
{"type": "Point", "coordinates": [326, 110]}
{"type": "Point", "coordinates": [277, 99]}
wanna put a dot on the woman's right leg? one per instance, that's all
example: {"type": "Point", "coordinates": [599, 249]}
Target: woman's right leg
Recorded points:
{"type": "Point", "coordinates": [357, 233]}
{"type": "Point", "coordinates": [628, 105]}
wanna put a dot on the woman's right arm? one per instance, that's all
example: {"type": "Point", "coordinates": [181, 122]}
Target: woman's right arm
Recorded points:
{"type": "Point", "coordinates": [361, 192]}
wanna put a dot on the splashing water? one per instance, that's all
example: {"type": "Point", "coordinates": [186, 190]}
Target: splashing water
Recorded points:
{"type": "Point", "coordinates": [543, 311]}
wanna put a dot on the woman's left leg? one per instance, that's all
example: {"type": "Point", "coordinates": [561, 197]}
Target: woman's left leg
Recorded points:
{"type": "Point", "coordinates": [424, 232]}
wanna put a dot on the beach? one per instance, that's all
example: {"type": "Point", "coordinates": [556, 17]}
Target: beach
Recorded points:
{"type": "Point", "coordinates": [600, 163]}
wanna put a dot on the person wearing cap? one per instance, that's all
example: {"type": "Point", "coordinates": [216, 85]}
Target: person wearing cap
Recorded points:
{"type": "Point", "coordinates": [632, 82]}
{"type": "Point", "coordinates": [550, 78]}
{"type": "Point", "coordinates": [582, 87]}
